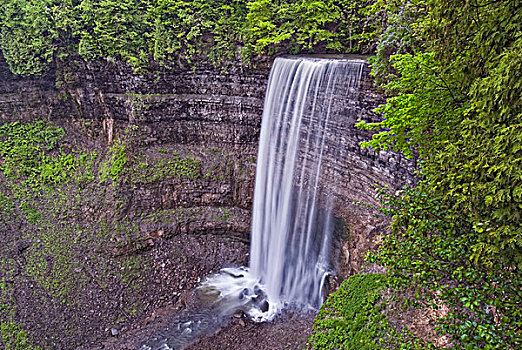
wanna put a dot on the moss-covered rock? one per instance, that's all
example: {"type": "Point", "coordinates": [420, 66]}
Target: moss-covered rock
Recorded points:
{"type": "Point", "coordinates": [77, 260]}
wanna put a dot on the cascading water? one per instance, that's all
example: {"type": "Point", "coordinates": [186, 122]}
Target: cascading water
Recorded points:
{"type": "Point", "coordinates": [292, 221]}
{"type": "Point", "coordinates": [292, 224]}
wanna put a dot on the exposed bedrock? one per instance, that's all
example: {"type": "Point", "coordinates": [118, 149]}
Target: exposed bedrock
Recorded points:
{"type": "Point", "coordinates": [212, 117]}
{"type": "Point", "coordinates": [207, 111]}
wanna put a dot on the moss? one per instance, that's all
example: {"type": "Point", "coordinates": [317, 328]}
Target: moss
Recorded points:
{"type": "Point", "coordinates": [6, 205]}
{"type": "Point", "coordinates": [115, 164]}
{"type": "Point", "coordinates": [51, 262]}
{"type": "Point", "coordinates": [352, 318]}
{"type": "Point", "coordinates": [146, 169]}
{"type": "Point", "coordinates": [15, 337]}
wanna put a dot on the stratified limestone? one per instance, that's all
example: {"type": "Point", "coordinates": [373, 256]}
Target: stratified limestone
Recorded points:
{"type": "Point", "coordinates": [215, 118]}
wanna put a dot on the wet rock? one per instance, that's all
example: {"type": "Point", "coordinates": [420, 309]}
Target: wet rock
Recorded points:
{"type": "Point", "coordinates": [264, 306]}
{"type": "Point", "coordinates": [244, 293]}
{"type": "Point", "coordinates": [240, 314]}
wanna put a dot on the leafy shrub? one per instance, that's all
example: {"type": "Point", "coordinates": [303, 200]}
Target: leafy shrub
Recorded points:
{"type": "Point", "coordinates": [351, 317]}
{"type": "Point", "coordinates": [455, 107]}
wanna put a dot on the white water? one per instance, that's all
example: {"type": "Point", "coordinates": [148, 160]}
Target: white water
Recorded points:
{"type": "Point", "coordinates": [292, 222]}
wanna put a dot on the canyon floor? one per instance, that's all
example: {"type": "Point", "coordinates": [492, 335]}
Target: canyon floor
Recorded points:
{"type": "Point", "coordinates": [288, 331]}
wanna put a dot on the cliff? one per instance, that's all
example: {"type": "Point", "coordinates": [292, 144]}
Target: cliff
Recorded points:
{"type": "Point", "coordinates": [180, 206]}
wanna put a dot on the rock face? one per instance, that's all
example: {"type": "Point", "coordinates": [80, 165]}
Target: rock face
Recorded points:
{"type": "Point", "coordinates": [213, 117]}
{"type": "Point", "coordinates": [203, 109]}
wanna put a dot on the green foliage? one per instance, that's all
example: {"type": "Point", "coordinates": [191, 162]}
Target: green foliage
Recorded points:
{"type": "Point", "coordinates": [456, 108]}
{"type": "Point", "coordinates": [114, 166]}
{"type": "Point", "coordinates": [352, 317]}
{"type": "Point", "coordinates": [148, 170]}
{"type": "Point", "coordinates": [27, 34]}
{"type": "Point", "coordinates": [6, 205]}
{"type": "Point", "coordinates": [136, 31]}
{"type": "Point", "coordinates": [430, 251]}
{"type": "Point", "coordinates": [22, 147]}
{"type": "Point", "coordinates": [31, 214]}
{"type": "Point", "coordinates": [437, 114]}
{"type": "Point", "coordinates": [358, 25]}
{"type": "Point", "coordinates": [64, 167]}
{"type": "Point", "coordinates": [144, 33]}
{"type": "Point", "coordinates": [15, 338]}
{"type": "Point", "coordinates": [302, 24]}
{"type": "Point", "coordinates": [51, 263]}
{"type": "Point", "coordinates": [115, 29]}
{"type": "Point", "coordinates": [400, 28]}
{"type": "Point", "coordinates": [421, 97]}
{"type": "Point", "coordinates": [28, 152]}
{"type": "Point", "coordinates": [198, 27]}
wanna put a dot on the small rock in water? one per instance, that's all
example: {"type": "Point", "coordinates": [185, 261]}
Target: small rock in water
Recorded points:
{"type": "Point", "coordinates": [114, 332]}
{"type": "Point", "coordinates": [239, 314]}
{"type": "Point", "coordinates": [257, 290]}
{"type": "Point", "coordinates": [264, 306]}
{"type": "Point", "coordinates": [243, 293]}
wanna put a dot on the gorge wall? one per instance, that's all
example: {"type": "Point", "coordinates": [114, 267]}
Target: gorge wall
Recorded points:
{"type": "Point", "coordinates": [208, 120]}
{"type": "Point", "coordinates": [202, 107]}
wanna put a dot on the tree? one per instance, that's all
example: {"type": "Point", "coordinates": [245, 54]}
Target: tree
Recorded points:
{"type": "Point", "coordinates": [456, 106]}
{"type": "Point", "coordinates": [27, 34]}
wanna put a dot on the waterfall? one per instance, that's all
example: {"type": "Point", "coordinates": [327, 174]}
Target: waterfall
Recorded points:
{"type": "Point", "coordinates": [293, 201]}
{"type": "Point", "coordinates": [292, 214]}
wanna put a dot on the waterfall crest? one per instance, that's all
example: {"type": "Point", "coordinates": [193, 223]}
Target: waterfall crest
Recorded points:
{"type": "Point", "coordinates": [292, 221]}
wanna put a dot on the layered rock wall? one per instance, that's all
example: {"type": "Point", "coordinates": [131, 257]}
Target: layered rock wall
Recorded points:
{"type": "Point", "coordinates": [205, 112]}
{"type": "Point", "coordinates": [181, 206]}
